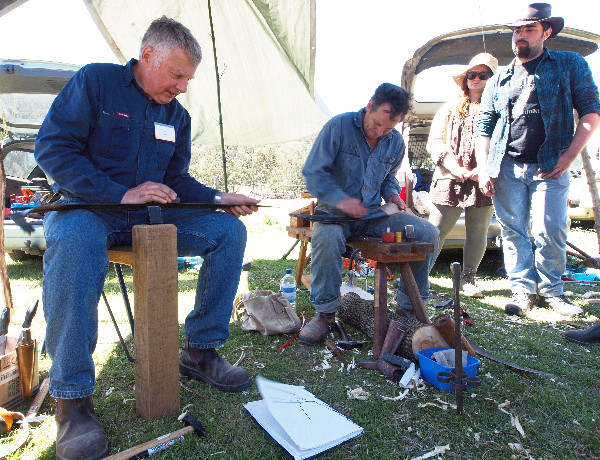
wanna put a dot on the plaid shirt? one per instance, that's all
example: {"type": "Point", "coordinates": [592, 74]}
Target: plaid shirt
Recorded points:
{"type": "Point", "coordinates": [564, 82]}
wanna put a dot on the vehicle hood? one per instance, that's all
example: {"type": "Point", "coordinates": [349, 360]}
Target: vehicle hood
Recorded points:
{"type": "Point", "coordinates": [27, 88]}
{"type": "Point", "coordinates": [460, 46]}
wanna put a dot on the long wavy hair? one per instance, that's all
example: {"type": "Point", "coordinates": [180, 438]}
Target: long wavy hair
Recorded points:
{"type": "Point", "coordinates": [464, 101]}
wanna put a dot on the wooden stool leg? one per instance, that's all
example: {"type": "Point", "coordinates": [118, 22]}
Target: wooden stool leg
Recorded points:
{"type": "Point", "coordinates": [413, 293]}
{"type": "Point", "coordinates": [380, 304]}
{"type": "Point", "coordinates": [301, 262]}
{"type": "Point", "coordinates": [156, 335]}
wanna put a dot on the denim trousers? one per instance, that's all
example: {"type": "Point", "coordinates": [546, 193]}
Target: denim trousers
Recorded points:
{"type": "Point", "coordinates": [523, 200]}
{"type": "Point", "coordinates": [76, 264]}
{"type": "Point", "coordinates": [328, 246]}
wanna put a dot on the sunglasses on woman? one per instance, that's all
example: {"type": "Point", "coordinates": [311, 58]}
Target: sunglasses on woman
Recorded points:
{"type": "Point", "coordinates": [481, 75]}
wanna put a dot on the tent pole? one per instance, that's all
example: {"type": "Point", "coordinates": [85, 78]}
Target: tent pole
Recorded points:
{"type": "Point", "coordinates": [212, 36]}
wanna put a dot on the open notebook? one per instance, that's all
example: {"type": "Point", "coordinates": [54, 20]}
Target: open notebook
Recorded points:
{"type": "Point", "coordinates": [301, 423]}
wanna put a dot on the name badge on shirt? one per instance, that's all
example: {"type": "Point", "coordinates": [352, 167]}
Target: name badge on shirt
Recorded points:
{"type": "Point", "coordinates": [164, 132]}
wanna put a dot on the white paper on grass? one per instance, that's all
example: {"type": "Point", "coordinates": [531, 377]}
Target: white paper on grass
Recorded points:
{"type": "Point", "coordinates": [303, 424]}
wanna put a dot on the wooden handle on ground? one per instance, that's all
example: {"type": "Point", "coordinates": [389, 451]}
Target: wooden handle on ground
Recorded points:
{"type": "Point", "coordinates": [126, 454]}
{"type": "Point", "coordinates": [445, 326]}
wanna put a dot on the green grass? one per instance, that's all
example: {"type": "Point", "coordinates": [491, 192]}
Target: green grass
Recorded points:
{"type": "Point", "coordinates": [559, 415]}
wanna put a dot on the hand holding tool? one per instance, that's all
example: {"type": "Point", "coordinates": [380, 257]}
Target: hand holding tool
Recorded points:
{"type": "Point", "coordinates": [345, 343]}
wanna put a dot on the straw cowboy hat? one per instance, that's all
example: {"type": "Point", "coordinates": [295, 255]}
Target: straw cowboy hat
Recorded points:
{"type": "Point", "coordinates": [538, 12]}
{"type": "Point", "coordinates": [481, 58]}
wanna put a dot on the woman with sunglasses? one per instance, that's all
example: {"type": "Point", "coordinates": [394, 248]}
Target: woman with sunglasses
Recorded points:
{"type": "Point", "coordinates": [454, 186]}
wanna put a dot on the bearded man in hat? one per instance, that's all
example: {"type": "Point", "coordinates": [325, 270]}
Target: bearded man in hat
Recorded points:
{"type": "Point", "coordinates": [525, 134]}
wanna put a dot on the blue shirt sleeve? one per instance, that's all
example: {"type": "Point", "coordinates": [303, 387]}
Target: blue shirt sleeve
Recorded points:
{"type": "Point", "coordinates": [318, 169]}
{"type": "Point", "coordinates": [62, 138]}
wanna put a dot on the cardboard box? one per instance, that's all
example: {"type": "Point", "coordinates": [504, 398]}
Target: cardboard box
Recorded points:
{"type": "Point", "coordinates": [10, 389]}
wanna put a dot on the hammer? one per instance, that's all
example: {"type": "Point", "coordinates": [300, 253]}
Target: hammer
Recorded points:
{"type": "Point", "coordinates": [162, 442]}
{"type": "Point", "coordinates": [345, 343]}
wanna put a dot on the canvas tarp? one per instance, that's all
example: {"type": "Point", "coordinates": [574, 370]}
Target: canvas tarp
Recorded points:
{"type": "Point", "coordinates": [265, 52]}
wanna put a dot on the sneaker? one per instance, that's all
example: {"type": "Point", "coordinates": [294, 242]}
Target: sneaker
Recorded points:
{"type": "Point", "coordinates": [560, 304]}
{"type": "Point", "coordinates": [468, 286]}
{"type": "Point", "coordinates": [520, 303]}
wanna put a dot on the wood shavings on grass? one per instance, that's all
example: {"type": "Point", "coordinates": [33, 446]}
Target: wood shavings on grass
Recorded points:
{"type": "Point", "coordinates": [453, 406]}
{"type": "Point", "coordinates": [514, 419]}
{"type": "Point", "coordinates": [110, 391]}
{"type": "Point", "coordinates": [240, 359]}
{"type": "Point", "coordinates": [358, 393]}
{"type": "Point", "coordinates": [323, 366]}
{"type": "Point", "coordinates": [400, 397]}
{"type": "Point", "coordinates": [589, 294]}
{"type": "Point", "coordinates": [438, 450]}
{"type": "Point", "coordinates": [427, 404]}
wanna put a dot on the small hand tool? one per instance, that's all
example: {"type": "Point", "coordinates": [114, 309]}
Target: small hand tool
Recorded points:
{"type": "Point", "coordinates": [345, 343]}
{"type": "Point", "coordinates": [336, 351]}
{"type": "Point", "coordinates": [31, 415]}
{"type": "Point", "coordinates": [150, 447]}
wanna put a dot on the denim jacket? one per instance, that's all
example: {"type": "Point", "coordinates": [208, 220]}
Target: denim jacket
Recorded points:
{"type": "Point", "coordinates": [564, 82]}
{"type": "Point", "coordinates": [99, 139]}
{"type": "Point", "coordinates": [341, 164]}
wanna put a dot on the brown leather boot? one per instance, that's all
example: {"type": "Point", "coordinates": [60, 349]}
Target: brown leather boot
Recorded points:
{"type": "Point", "coordinates": [316, 330]}
{"type": "Point", "coordinates": [208, 366]}
{"type": "Point", "coordinates": [79, 434]}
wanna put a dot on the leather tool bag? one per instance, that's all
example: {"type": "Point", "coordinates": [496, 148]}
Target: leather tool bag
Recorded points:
{"type": "Point", "coordinates": [266, 312]}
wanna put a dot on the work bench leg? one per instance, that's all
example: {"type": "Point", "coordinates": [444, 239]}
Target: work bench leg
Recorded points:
{"type": "Point", "coordinates": [301, 262]}
{"type": "Point", "coordinates": [156, 335]}
{"type": "Point", "coordinates": [412, 290]}
{"type": "Point", "coordinates": [380, 305]}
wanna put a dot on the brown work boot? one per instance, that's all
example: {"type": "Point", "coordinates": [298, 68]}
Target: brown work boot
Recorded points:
{"type": "Point", "coordinates": [316, 330]}
{"type": "Point", "coordinates": [79, 434]}
{"type": "Point", "coordinates": [207, 365]}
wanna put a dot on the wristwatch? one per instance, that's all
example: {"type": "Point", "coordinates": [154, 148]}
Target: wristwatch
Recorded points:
{"type": "Point", "coordinates": [217, 198]}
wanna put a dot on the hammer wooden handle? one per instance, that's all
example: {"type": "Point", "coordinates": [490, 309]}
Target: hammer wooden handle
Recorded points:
{"type": "Point", "coordinates": [126, 454]}
{"type": "Point", "coordinates": [39, 398]}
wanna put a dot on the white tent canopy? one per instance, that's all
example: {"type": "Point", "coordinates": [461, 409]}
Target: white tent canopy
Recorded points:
{"type": "Point", "coordinates": [265, 52]}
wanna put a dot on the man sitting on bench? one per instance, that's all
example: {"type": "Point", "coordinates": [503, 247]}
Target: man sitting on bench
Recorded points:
{"type": "Point", "coordinates": [116, 134]}
{"type": "Point", "coordinates": [351, 167]}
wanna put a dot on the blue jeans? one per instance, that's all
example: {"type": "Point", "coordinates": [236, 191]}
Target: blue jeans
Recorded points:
{"type": "Point", "coordinates": [522, 197]}
{"type": "Point", "coordinates": [328, 246]}
{"type": "Point", "coordinates": [75, 267]}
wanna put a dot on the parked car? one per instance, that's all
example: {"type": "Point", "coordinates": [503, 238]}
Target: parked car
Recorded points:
{"type": "Point", "coordinates": [27, 89]}
{"type": "Point", "coordinates": [434, 63]}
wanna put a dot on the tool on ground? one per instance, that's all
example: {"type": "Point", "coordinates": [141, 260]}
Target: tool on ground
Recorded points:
{"type": "Point", "coordinates": [587, 260]}
{"type": "Point", "coordinates": [395, 335]}
{"type": "Point", "coordinates": [193, 425]}
{"type": "Point", "coordinates": [345, 343]}
{"type": "Point", "coordinates": [31, 415]}
{"type": "Point", "coordinates": [4, 322]}
{"type": "Point", "coordinates": [456, 377]}
{"type": "Point", "coordinates": [336, 351]}
{"type": "Point", "coordinates": [7, 421]}
{"type": "Point", "coordinates": [396, 360]}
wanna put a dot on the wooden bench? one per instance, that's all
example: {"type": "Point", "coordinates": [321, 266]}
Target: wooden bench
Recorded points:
{"type": "Point", "coordinates": [153, 256]}
{"type": "Point", "coordinates": [384, 253]}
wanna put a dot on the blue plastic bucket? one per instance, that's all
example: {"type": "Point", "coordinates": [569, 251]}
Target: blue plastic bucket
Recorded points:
{"type": "Point", "coordinates": [430, 368]}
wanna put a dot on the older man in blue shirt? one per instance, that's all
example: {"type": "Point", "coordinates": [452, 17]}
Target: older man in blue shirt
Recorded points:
{"type": "Point", "coordinates": [525, 136]}
{"type": "Point", "coordinates": [116, 134]}
{"type": "Point", "coordinates": [352, 166]}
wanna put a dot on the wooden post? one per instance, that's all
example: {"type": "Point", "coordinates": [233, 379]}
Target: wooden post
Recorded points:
{"type": "Point", "coordinates": [412, 290]}
{"type": "Point", "coordinates": [380, 305]}
{"type": "Point", "coordinates": [156, 326]}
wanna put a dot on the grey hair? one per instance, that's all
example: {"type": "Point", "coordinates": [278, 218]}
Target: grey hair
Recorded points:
{"type": "Point", "coordinates": [164, 34]}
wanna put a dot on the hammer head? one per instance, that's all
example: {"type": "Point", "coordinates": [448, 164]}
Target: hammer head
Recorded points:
{"type": "Point", "coordinates": [199, 429]}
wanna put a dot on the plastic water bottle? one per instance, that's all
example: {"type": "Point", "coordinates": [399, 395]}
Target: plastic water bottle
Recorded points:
{"type": "Point", "coordinates": [288, 288]}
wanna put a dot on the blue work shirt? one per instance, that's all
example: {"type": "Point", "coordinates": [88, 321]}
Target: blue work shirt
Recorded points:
{"type": "Point", "coordinates": [564, 82]}
{"type": "Point", "coordinates": [341, 163]}
{"type": "Point", "coordinates": [99, 139]}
